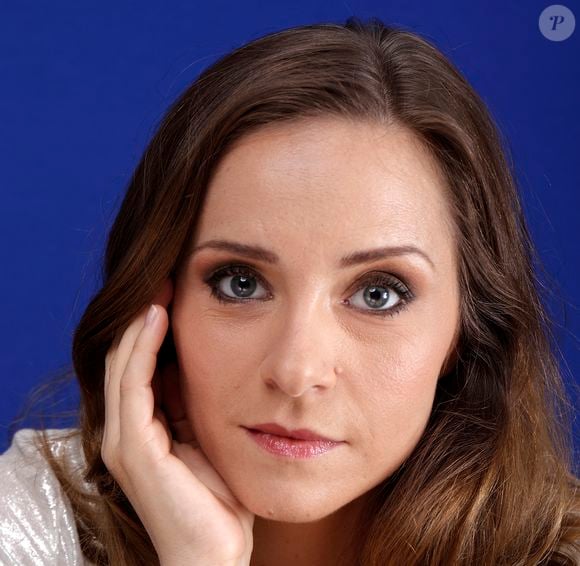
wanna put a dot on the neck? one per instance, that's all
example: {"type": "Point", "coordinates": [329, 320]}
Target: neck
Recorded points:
{"type": "Point", "coordinates": [330, 541]}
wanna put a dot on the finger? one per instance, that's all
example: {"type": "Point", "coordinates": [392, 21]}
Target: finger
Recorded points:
{"type": "Point", "coordinates": [137, 402]}
{"type": "Point", "coordinates": [108, 359]}
{"type": "Point", "coordinates": [110, 407]}
{"type": "Point", "coordinates": [163, 297]}
{"type": "Point", "coordinates": [126, 343]}
{"type": "Point", "coordinates": [165, 294]}
{"type": "Point", "coordinates": [117, 359]}
{"type": "Point", "coordinates": [115, 362]}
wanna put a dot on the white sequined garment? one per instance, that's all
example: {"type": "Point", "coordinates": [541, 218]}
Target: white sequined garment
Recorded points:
{"type": "Point", "coordinates": [37, 527]}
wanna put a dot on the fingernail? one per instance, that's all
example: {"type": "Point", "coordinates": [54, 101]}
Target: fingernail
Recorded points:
{"type": "Point", "coordinates": [151, 316]}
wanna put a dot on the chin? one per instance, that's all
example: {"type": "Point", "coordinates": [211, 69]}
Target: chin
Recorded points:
{"type": "Point", "coordinates": [289, 505]}
{"type": "Point", "coordinates": [289, 512]}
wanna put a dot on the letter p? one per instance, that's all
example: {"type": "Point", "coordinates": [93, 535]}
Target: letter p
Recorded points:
{"type": "Point", "coordinates": [556, 21]}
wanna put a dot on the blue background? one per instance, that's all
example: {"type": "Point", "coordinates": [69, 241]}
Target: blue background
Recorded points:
{"type": "Point", "coordinates": [83, 87]}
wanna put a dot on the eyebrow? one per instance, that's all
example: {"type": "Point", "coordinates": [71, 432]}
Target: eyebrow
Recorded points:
{"type": "Point", "coordinates": [354, 258]}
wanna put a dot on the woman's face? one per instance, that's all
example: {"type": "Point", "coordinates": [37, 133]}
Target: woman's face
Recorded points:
{"type": "Point", "coordinates": [316, 334]}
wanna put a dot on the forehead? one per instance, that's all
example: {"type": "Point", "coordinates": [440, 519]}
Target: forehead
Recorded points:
{"type": "Point", "coordinates": [327, 182]}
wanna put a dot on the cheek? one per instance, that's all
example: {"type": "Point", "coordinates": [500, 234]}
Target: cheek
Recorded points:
{"type": "Point", "coordinates": [210, 355]}
{"type": "Point", "coordinates": [399, 399]}
{"type": "Point", "coordinates": [201, 359]}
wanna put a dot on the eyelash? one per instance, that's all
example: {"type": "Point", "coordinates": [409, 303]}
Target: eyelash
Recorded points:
{"type": "Point", "coordinates": [378, 279]}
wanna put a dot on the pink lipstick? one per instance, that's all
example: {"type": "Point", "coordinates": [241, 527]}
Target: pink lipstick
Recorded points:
{"type": "Point", "coordinates": [308, 445]}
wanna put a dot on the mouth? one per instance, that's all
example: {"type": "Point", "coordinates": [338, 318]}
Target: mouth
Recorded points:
{"type": "Point", "coordinates": [288, 447]}
{"type": "Point", "coordinates": [297, 434]}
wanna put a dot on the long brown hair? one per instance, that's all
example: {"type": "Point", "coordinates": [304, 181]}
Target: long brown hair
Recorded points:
{"type": "Point", "coordinates": [491, 481]}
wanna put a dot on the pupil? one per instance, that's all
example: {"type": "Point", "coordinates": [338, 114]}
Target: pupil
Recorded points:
{"type": "Point", "coordinates": [245, 284]}
{"type": "Point", "coordinates": [376, 296]}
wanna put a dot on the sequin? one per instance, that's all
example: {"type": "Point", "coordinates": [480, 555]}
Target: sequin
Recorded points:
{"type": "Point", "coordinates": [37, 526]}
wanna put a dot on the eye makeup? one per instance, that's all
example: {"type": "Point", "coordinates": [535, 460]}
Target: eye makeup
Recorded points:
{"type": "Point", "coordinates": [376, 281]}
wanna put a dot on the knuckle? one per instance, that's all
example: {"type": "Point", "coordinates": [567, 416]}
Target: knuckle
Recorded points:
{"type": "Point", "coordinates": [145, 354]}
{"type": "Point", "coordinates": [142, 360]}
{"type": "Point", "coordinates": [142, 345]}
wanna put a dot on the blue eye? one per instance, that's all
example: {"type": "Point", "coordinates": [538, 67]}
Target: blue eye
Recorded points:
{"type": "Point", "coordinates": [237, 279]}
{"type": "Point", "coordinates": [384, 294]}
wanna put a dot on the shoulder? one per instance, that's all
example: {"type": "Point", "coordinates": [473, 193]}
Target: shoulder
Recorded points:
{"type": "Point", "coordinates": [36, 521]}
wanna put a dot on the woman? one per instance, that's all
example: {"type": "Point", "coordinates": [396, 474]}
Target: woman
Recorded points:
{"type": "Point", "coordinates": [332, 240]}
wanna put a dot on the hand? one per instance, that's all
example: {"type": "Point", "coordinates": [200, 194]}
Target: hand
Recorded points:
{"type": "Point", "coordinates": [191, 515]}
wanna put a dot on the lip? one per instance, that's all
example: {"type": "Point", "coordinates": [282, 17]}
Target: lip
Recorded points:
{"type": "Point", "coordinates": [291, 447]}
{"type": "Point", "coordinates": [298, 434]}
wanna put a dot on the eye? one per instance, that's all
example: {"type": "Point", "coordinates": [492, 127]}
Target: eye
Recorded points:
{"type": "Point", "coordinates": [383, 293]}
{"type": "Point", "coordinates": [238, 280]}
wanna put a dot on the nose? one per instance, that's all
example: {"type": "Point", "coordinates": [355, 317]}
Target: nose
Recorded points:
{"type": "Point", "coordinates": [301, 358]}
